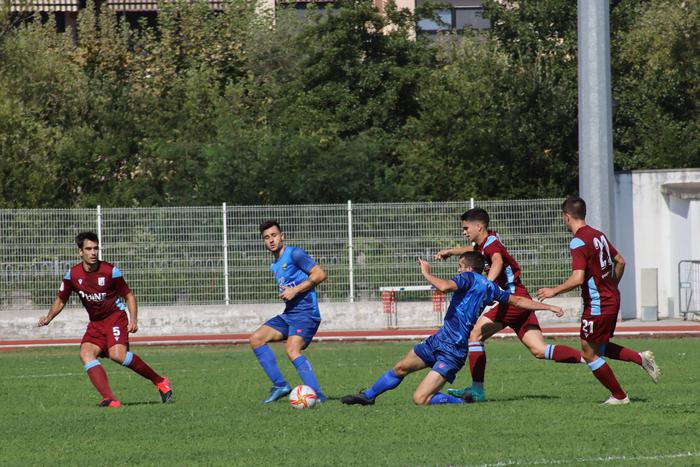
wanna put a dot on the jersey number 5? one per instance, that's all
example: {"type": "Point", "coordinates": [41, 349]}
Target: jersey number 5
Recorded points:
{"type": "Point", "coordinates": [601, 244]}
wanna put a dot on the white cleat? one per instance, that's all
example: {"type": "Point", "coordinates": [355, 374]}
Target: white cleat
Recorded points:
{"type": "Point", "coordinates": [650, 366]}
{"type": "Point", "coordinates": [614, 401]}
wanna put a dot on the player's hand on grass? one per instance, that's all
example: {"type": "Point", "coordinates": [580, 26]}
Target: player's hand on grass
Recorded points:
{"type": "Point", "coordinates": [545, 293]}
{"type": "Point", "coordinates": [132, 327]}
{"type": "Point", "coordinates": [288, 293]}
{"type": "Point", "coordinates": [43, 321]}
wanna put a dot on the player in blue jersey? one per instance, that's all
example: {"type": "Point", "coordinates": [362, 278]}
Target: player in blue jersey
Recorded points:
{"type": "Point", "coordinates": [445, 352]}
{"type": "Point", "coordinates": [296, 275]}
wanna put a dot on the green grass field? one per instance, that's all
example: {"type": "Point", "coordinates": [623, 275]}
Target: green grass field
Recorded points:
{"type": "Point", "coordinates": [538, 412]}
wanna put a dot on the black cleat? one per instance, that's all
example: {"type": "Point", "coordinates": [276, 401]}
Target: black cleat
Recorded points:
{"type": "Point", "coordinates": [358, 398]}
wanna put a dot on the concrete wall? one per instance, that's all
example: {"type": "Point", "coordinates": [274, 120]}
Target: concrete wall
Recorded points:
{"type": "Point", "coordinates": [656, 227]}
{"type": "Point", "coordinates": [221, 319]}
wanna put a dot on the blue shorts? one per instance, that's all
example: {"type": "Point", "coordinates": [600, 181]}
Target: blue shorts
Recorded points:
{"type": "Point", "coordinates": [444, 358]}
{"type": "Point", "coordinates": [291, 325]}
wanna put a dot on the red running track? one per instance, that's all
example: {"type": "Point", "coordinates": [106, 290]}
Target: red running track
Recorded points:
{"type": "Point", "coordinates": [631, 330]}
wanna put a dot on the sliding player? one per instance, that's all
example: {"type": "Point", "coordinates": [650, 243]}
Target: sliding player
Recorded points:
{"type": "Point", "coordinates": [505, 272]}
{"type": "Point", "coordinates": [445, 352]}
{"type": "Point", "coordinates": [100, 286]}
{"type": "Point", "coordinates": [297, 275]}
{"type": "Point", "coordinates": [597, 267]}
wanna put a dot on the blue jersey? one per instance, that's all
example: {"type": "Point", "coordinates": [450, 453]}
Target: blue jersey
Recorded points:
{"type": "Point", "coordinates": [291, 269]}
{"type": "Point", "coordinates": [474, 293]}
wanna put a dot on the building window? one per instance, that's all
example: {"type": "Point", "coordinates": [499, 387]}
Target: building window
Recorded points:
{"type": "Point", "coordinates": [456, 18]}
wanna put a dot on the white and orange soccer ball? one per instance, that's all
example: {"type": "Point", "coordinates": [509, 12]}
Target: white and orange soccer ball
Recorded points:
{"type": "Point", "coordinates": [303, 397]}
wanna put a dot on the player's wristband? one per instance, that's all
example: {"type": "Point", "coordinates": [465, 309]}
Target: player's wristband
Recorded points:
{"type": "Point", "coordinates": [312, 282]}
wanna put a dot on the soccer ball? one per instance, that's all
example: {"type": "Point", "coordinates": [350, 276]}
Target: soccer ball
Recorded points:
{"type": "Point", "coordinates": [303, 397]}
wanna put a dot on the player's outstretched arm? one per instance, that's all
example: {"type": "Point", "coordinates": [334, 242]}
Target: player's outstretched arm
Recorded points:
{"type": "Point", "coordinates": [447, 252]}
{"type": "Point", "coordinates": [576, 279]}
{"type": "Point", "coordinates": [55, 309]}
{"type": "Point", "coordinates": [443, 285]}
{"type": "Point", "coordinates": [527, 304]}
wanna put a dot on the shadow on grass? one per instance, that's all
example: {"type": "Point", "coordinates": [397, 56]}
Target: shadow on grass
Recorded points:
{"type": "Point", "coordinates": [145, 403]}
{"type": "Point", "coordinates": [524, 398]}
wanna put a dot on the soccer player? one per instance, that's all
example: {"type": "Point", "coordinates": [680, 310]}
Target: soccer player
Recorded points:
{"type": "Point", "coordinates": [598, 267]}
{"type": "Point", "coordinates": [101, 287]}
{"type": "Point", "coordinates": [445, 352]}
{"type": "Point", "coordinates": [297, 275]}
{"type": "Point", "coordinates": [505, 272]}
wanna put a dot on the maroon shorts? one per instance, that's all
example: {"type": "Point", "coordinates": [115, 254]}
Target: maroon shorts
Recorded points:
{"type": "Point", "coordinates": [517, 319]}
{"type": "Point", "coordinates": [108, 332]}
{"type": "Point", "coordinates": [598, 329]}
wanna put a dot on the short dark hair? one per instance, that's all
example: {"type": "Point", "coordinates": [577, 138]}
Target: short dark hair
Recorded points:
{"type": "Point", "coordinates": [268, 224]}
{"type": "Point", "coordinates": [477, 215]}
{"type": "Point", "coordinates": [82, 236]}
{"type": "Point", "coordinates": [474, 260]}
{"type": "Point", "coordinates": [575, 207]}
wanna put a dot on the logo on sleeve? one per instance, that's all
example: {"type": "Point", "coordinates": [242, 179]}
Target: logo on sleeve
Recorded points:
{"type": "Point", "coordinates": [284, 266]}
{"type": "Point", "coordinates": [62, 287]}
{"type": "Point", "coordinates": [101, 281]}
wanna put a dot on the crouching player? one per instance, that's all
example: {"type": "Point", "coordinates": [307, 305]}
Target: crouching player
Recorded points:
{"type": "Point", "coordinates": [445, 352]}
{"type": "Point", "coordinates": [100, 286]}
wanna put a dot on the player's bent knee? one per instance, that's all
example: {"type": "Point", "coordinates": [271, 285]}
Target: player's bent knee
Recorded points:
{"type": "Point", "coordinates": [256, 341]}
{"type": "Point", "coordinates": [421, 399]}
{"type": "Point", "coordinates": [400, 370]}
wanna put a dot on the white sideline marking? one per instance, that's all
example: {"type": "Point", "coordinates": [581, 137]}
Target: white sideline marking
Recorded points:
{"type": "Point", "coordinates": [55, 375]}
{"type": "Point", "coordinates": [677, 455]}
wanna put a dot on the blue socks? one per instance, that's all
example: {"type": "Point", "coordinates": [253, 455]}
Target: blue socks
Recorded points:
{"type": "Point", "coordinates": [387, 381]}
{"type": "Point", "coordinates": [441, 398]}
{"type": "Point", "coordinates": [269, 364]}
{"type": "Point", "coordinates": [307, 375]}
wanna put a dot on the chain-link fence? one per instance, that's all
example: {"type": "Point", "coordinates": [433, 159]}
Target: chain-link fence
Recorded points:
{"type": "Point", "coordinates": [214, 255]}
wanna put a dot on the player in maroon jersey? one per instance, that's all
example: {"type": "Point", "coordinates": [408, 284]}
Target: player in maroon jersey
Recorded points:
{"type": "Point", "coordinates": [101, 287]}
{"type": "Point", "coordinates": [505, 272]}
{"type": "Point", "coordinates": [598, 267]}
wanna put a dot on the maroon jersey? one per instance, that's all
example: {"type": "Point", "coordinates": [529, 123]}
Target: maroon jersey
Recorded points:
{"type": "Point", "coordinates": [509, 278]}
{"type": "Point", "coordinates": [100, 291]}
{"type": "Point", "coordinates": [593, 253]}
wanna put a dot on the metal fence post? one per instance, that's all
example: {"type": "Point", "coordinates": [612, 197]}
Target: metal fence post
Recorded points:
{"type": "Point", "coordinates": [99, 231]}
{"type": "Point", "coordinates": [350, 254]}
{"type": "Point", "coordinates": [226, 295]}
{"type": "Point", "coordinates": [471, 203]}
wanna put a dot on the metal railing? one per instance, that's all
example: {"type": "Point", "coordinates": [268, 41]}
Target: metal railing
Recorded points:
{"type": "Point", "coordinates": [214, 254]}
{"type": "Point", "coordinates": [689, 287]}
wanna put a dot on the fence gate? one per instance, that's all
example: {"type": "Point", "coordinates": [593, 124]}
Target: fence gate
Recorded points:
{"type": "Point", "coordinates": [689, 287]}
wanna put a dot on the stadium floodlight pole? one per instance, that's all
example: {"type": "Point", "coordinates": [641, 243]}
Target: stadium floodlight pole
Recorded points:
{"type": "Point", "coordinates": [595, 149]}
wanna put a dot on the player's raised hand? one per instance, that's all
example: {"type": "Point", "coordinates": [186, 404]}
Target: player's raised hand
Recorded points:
{"type": "Point", "coordinates": [545, 293]}
{"type": "Point", "coordinates": [43, 321]}
{"type": "Point", "coordinates": [424, 265]}
{"type": "Point", "coordinates": [442, 255]}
